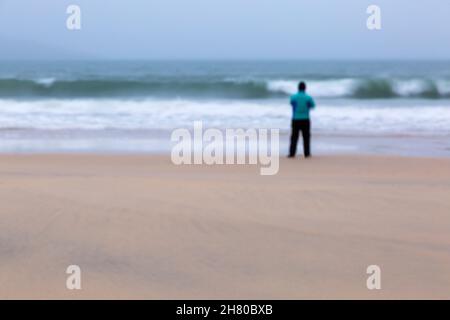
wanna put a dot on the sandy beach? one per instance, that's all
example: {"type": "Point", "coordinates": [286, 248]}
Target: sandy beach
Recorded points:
{"type": "Point", "coordinates": [140, 227]}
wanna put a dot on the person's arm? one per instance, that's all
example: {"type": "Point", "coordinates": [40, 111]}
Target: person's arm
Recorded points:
{"type": "Point", "coordinates": [311, 103]}
{"type": "Point", "coordinates": [293, 104]}
{"type": "Point", "coordinates": [292, 101]}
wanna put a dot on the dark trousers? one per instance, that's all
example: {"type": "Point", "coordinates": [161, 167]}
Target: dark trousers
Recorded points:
{"type": "Point", "coordinates": [305, 127]}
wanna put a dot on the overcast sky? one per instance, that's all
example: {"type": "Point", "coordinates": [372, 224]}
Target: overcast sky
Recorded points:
{"type": "Point", "coordinates": [225, 29]}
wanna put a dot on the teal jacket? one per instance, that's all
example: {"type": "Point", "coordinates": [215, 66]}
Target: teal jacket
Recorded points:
{"type": "Point", "coordinates": [301, 105]}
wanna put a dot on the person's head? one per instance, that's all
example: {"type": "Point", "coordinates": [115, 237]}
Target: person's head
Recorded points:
{"type": "Point", "coordinates": [302, 86]}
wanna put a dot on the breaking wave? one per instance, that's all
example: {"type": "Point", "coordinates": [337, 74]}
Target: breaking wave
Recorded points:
{"type": "Point", "coordinates": [223, 88]}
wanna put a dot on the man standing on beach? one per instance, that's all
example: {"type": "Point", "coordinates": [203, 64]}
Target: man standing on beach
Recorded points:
{"type": "Point", "coordinates": [301, 105]}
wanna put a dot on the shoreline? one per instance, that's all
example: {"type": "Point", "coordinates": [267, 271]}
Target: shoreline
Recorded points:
{"type": "Point", "coordinates": [151, 143]}
{"type": "Point", "coordinates": [142, 228]}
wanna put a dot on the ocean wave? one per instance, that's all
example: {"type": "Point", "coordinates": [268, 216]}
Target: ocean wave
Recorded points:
{"type": "Point", "coordinates": [106, 88]}
{"type": "Point", "coordinates": [369, 88]}
{"type": "Point", "coordinates": [352, 88]}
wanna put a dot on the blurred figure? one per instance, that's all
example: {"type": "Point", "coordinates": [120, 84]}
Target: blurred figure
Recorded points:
{"type": "Point", "coordinates": [301, 105]}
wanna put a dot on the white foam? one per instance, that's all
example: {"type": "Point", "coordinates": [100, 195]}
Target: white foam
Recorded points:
{"type": "Point", "coordinates": [426, 120]}
{"type": "Point", "coordinates": [170, 114]}
{"type": "Point", "coordinates": [47, 82]}
{"type": "Point", "coordinates": [443, 87]}
{"type": "Point", "coordinates": [409, 87]}
{"type": "Point", "coordinates": [324, 88]}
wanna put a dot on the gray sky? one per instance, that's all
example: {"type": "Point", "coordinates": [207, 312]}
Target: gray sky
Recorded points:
{"type": "Point", "coordinates": [225, 29]}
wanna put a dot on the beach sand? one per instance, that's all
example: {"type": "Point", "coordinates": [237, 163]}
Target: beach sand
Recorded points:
{"type": "Point", "coordinates": [140, 227]}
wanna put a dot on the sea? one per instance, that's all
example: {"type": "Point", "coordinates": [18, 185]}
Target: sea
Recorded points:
{"type": "Point", "coordinates": [363, 107]}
